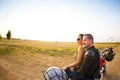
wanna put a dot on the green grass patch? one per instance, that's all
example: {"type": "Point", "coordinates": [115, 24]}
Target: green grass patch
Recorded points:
{"type": "Point", "coordinates": [49, 48]}
{"type": "Point", "coordinates": [6, 50]}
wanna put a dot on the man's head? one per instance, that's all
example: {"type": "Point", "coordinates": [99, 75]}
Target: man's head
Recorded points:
{"type": "Point", "coordinates": [87, 40]}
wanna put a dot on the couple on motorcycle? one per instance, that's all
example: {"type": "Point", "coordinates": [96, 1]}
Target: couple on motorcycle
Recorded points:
{"type": "Point", "coordinates": [87, 65]}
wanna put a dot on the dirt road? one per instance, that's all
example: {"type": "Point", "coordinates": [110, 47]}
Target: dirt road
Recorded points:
{"type": "Point", "coordinates": [27, 66]}
{"type": "Point", "coordinates": [17, 68]}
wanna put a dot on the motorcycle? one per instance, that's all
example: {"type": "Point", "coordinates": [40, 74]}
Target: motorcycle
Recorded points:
{"type": "Point", "coordinates": [55, 73]}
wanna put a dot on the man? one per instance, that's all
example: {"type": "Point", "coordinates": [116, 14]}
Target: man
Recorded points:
{"type": "Point", "coordinates": [89, 69]}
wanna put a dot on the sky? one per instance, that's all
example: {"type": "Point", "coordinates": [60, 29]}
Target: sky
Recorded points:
{"type": "Point", "coordinates": [60, 20]}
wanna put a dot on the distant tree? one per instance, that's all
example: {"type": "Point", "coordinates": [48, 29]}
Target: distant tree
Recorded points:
{"type": "Point", "coordinates": [0, 37]}
{"type": "Point", "coordinates": [8, 35]}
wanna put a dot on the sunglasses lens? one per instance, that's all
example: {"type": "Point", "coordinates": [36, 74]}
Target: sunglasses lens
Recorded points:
{"type": "Point", "coordinates": [78, 39]}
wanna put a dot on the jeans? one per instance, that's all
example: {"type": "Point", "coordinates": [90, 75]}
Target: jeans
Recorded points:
{"type": "Point", "coordinates": [72, 75]}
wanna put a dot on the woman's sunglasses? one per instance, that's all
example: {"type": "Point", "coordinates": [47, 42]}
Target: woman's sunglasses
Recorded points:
{"type": "Point", "coordinates": [78, 39]}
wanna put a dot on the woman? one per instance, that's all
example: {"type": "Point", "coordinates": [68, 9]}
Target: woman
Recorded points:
{"type": "Point", "coordinates": [80, 53]}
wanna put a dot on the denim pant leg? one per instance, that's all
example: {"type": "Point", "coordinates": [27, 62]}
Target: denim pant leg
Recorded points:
{"type": "Point", "coordinates": [72, 75]}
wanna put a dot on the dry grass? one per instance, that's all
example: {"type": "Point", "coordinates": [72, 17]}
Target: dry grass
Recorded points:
{"type": "Point", "coordinates": [24, 60]}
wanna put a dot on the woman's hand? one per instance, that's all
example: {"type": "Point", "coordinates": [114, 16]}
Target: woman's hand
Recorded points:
{"type": "Point", "coordinates": [65, 67]}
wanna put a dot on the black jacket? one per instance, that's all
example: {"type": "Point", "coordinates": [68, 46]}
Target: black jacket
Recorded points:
{"type": "Point", "coordinates": [89, 69]}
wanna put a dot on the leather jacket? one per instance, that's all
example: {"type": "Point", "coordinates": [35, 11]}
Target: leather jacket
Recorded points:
{"type": "Point", "coordinates": [90, 64]}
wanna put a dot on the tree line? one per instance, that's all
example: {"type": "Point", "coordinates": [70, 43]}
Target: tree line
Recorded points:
{"type": "Point", "coordinates": [8, 35]}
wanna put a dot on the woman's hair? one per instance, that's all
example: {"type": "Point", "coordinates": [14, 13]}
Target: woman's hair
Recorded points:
{"type": "Point", "coordinates": [81, 35]}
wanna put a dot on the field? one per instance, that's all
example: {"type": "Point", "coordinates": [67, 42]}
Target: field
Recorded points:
{"type": "Point", "coordinates": [28, 60]}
